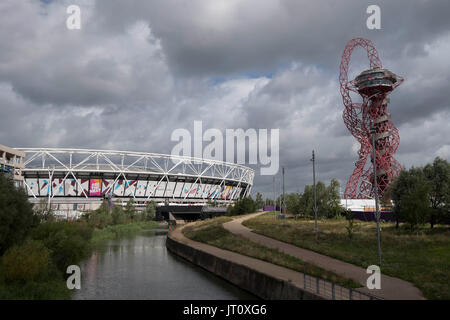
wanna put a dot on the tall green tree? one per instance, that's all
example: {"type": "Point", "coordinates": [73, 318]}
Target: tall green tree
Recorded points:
{"type": "Point", "coordinates": [410, 194]}
{"type": "Point", "coordinates": [242, 206]}
{"type": "Point", "coordinates": [17, 218]}
{"type": "Point", "coordinates": [293, 203]}
{"type": "Point", "coordinates": [118, 215]}
{"type": "Point", "coordinates": [130, 210]}
{"type": "Point", "coordinates": [438, 177]}
{"type": "Point", "coordinates": [333, 199]}
{"type": "Point", "coordinates": [307, 201]}
{"type": "Point", "coordinates": [259, 202]}
{"type": "Point", "coordinates": [150, 210]}
{"type": "Point", "coordinates": [328, 200]}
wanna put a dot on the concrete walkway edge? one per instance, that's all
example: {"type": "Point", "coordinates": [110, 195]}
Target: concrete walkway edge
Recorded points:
{"type": "Point", "coordinates": [289, 276]}
{"type": "Point", "coordinates": [277, 272]}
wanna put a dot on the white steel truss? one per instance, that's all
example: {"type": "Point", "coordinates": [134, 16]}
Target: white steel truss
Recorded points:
{"type": "Point", "coordinates": [70, 163]}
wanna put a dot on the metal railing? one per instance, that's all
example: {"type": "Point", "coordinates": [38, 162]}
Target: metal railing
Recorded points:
{"type": "Point", "coordinates": [332, 291]}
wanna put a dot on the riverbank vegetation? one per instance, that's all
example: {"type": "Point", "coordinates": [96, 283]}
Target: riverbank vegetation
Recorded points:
{"type": "Point", "coordinates": [35, 249]}
{"type": "Point", "coordinates": [116, 231]}
{"type": "Point", "coordinates": [212, 232]}
{"type": "Point", "coordinates": [421, 257]}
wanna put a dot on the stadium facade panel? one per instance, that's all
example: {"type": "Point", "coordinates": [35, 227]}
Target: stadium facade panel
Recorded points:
{"type": "Point", "coordinates": [95, 174]}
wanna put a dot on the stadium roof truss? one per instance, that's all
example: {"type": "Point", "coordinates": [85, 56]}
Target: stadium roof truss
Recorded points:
{"type": "Point", "coordinates": [70, 163]}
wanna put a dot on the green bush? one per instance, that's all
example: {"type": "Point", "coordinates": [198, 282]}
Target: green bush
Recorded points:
{"type": "Point", "coordinates": [150, 210]}
{"type": "Point", "coordinates": [99, 219]}
{"type": "Point", "coordinates": [130, 211]}
{"type": "Point", "coordinates": [16, 215]}
{"type": "Point", "coordinates": [68, 241]}
{"type": "Point", "coordinates": [242, 206]}
{"type": "Point", "coordinates": [117, 215]}
{"type": "Point", "coordinates": [26, 262]}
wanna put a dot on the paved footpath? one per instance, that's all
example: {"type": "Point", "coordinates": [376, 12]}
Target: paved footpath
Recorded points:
{"type": "Point", "coordinates": [391, 288]}
{"type": "Point", "coordinates": [277, 272]}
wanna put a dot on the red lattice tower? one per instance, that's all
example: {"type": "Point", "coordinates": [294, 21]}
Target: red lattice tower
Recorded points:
{"type": "Point", "coordinates": [374, 86]}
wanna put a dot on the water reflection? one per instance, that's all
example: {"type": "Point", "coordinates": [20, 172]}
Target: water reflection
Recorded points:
{"type": "Point", "coordinates": [140, 267]}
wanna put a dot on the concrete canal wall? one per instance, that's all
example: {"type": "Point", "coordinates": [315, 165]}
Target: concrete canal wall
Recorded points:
{"type": "Point", "coordinates": [261, 284]}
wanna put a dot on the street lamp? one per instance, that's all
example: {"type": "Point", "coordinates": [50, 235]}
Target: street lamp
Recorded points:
{"type": "Point", "coordinates": [274, 199]}
{"type": "Point", "coordinates": [284, 202]}
{"type": "Point", "coordinates": [313, 159]}
{"type": "Point", "coordinates": [373, 131]}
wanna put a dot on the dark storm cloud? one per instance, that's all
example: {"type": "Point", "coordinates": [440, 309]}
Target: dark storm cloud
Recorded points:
{"type": "Point", "coordinates": [137, 70]}
{"type": "Point", "coordinates": [228, 37]}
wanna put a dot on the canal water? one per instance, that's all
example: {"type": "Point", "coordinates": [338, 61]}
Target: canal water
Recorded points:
{"type": "Point", "coordinates": [140, 267]}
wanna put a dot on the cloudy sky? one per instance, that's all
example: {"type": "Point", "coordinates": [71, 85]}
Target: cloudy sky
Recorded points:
{"type": "Point", "coordinates": [139, 69]}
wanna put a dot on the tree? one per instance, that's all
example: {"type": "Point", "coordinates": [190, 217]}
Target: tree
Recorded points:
{"type": "Point", "coordinates": [328, 200]}
{"type": "Point", "coordinates": [307, 201]}
{"type": "Point", "coordinates": [293, 203]}
{"type": "Point", "coordinates": [100, 218]}
{"type": "Point", "coordinates": [130, 210]}
{"type": "Point", "coordinates": [43, 211]}
{"type": "Point", "coordinates": [104, 207]}
{"type": "Point", "coordinates": [150, 210]}
{"type": "Point", "coordinates": [68, 241]}
{"type": "Point", "coordinates": [438, 177]}
{"type": "Point", "coordinates": [410, 194]}
{"type": "Point", "coordinates": [117, 215]}
{"type": "Point", "coordinates": [17, 218]}
{"type": "Point", "coordinates": [332, 205]}
{"type": "Point", "coordinates": [242, 206]}
{"type": "Point", "coordinates": [259, 202]}
{"type": "Point", "coordinates": [415, 208]}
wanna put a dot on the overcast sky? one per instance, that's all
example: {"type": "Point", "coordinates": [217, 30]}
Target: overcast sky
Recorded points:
{"type": "Point", "coordinates": [139, 69]}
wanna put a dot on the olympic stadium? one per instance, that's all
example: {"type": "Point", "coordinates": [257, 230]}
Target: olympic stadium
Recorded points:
{"type": "Point", "coordinates": [79, 179]}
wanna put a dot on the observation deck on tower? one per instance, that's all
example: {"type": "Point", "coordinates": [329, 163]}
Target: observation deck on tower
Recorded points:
{"type": "Point", "coordinates": [376, 80]}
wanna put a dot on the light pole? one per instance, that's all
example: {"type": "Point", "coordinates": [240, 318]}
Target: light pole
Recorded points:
{"type": "Point", "coordinates": [279, 191]}
{"type": "Point", "coordinates": [284, 201]}
{"type": "Point", "coordinates": [315, 196]}
{"type": "Point", "coordinates": [373, 131]}
{"type": "Point", "coordinates": [274, 199]}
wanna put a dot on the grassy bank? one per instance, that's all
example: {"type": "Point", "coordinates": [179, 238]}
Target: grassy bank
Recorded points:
{"type": "Point", "coordinates": [422, 257]}
{"type": "Point", "coordinates": [121, 230]}
{"type": "Point", "coordinates": [212, 232]}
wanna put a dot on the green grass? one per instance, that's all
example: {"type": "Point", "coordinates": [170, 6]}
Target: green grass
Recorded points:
{"type": "Point", "coordinates": [422, 257]}
{"type": "Point", "coordinates": [115, 231]}
{"type": "Point", "coordinates": [212, 232]}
